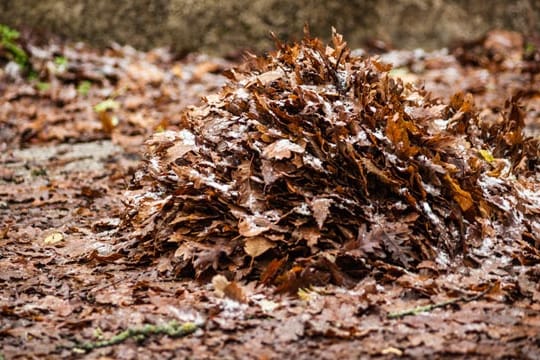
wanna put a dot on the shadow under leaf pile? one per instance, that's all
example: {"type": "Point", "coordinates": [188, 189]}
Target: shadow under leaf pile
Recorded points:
{"type": "Point", "coordinates": [313, 165]}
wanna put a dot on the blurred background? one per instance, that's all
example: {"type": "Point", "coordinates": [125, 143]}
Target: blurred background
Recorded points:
{"type": "Point", "coordinates": [223, 27]}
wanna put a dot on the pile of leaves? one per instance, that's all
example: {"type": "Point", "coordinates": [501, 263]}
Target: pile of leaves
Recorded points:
{"type": "Point", "coordinates": [314, 165]}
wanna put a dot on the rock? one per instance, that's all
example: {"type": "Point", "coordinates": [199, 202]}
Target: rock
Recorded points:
{"type": "Point", "coordinates": [220, 27]}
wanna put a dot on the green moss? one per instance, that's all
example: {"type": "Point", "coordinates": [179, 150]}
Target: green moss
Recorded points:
{"type": "Point", "coordinates": [43, 86]}
{"type": "Point", "coordinates": [8, 42]}
{"type": "Point", "coordinates": [172, 329]}
{"type": "Point", "coordinates": [84, 87]}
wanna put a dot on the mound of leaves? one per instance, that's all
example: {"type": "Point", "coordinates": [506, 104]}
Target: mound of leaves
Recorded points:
{"type": "Point", "coordinates": [315, 165]}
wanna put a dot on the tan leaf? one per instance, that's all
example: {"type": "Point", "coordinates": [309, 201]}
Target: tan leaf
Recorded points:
{"type": "Point", "coordinates": [266, 77]}
{"type": "Point", "coordinates": [256, 246]}
{"type": "Point", "coordinates": [250, 226]}
{"type": "Point", "coordinates": [281, 149]}
{"type": "Point", "coordinates": [392, 351]}
{"type": "Point", "coordinates": [309, 233]}
{"type": "Point", "coordinates": [381, 174]}
{"type": "Point", "coordinates": [320, 208]}
{"type": "Point", "coordinates": [268, 172]}
{"type": "Point", "coordinates": [230, 289]}
{"type": "Point", "coordinates": [220, 282]}
{"type": "Point", "coordinates": [108, 121]}
{"type": "Point", "coordinates": [53, 238]}
{"type": "Point", "coordinates": [185, 144]}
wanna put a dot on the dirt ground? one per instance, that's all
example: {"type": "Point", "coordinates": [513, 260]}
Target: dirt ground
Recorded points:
{"type": "Point", "coordinates": [65, 163]}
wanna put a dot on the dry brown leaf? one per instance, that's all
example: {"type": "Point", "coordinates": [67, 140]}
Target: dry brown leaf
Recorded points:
{"type": "Point", "coordinates": [236, 292]}
{"type": "Point", "coordinates": [255, 246]}
{"type": "Point", "coordinates": [220, 282]}
{"type": "Point", "coordinates": [321, 210]}
{"type": "Point", "coordinates": [282, 149]}
{"type": "Point", "coordinates": [266, 77]}
{"type": "Point", "coordinates": [230, 289]}
{"type": "Point", "coordinates": [108, 120]}
{"type": "Point", "coordinates": [184, 144]}
{"type": "Point", "coordinates": [462, 197]}
{"type": "Point", "coordinates": [250, 226]}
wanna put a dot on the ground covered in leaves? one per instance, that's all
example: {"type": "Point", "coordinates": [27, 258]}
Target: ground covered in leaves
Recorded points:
{"type": "Point", "coordinates": [72, 133]}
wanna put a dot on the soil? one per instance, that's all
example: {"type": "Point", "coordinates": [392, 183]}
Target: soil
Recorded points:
{"type": "Point", "coordinates": [64, 168]}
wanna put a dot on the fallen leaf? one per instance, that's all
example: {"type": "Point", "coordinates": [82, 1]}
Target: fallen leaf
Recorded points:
{"type": "Point", "coordinates": [53, 238]}
{"type": "Point", "coordinates": [321, 210]}
{"type": "Point", "coordinates": [230, 289]}
{"type": "Point", "coordinates": [255, 246]}
{"type": "Point", "coordinates": [282, 149]}
{"type": "Point", "coordinates": [462, 197]}
{"type": "Point", "coordinates": [391, 351]}
{"type": "Point", "coordinates": [486, 155]}
{"type": "Point", "coordinates": [220, 282]}
{"type": "Point", "coordinates": [250, 226]}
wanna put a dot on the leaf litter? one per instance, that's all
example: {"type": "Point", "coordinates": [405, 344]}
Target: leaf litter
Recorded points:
{"type": "Point", "coordinates": [298, 211]}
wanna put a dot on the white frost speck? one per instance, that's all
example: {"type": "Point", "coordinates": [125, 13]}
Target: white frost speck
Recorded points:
{"type": "Point", "coordinates": [430, 189]}
{"type": "Point", "coordinates": [242, 93]}
{"type": "Point", "coordinates": [427, 210]}
{"type": "Point", "coordinates": [442, 258]}
{"type": "Point", "coordinates": [232, 309]}
{"type": "Point", "coordinates": [361, 137]}
{"type": "Point", "coordinates": [441, 123]}
{"type": "Point", "coordinates": [154, 165]}
{"type": "Point", "coordinates": [303, 210]}
{"type": "Point", "coordinates": [209, 181]}
{"type": "Point", "coordinates": [187, 137]}
{"type": "Point", "coordinates": [314, 162]}
{"type": "Point", "coordinates": [285, 144]}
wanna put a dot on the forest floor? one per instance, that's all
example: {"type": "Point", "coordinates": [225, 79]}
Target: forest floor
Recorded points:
{"type": "Point", "coordinates": [70, 141]}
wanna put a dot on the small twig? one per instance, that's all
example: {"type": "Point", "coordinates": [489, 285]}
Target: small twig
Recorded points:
{"type": "Point", "coordinates": [426, 308]}
{"type": "Point", "coordinates": [172, 329]}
